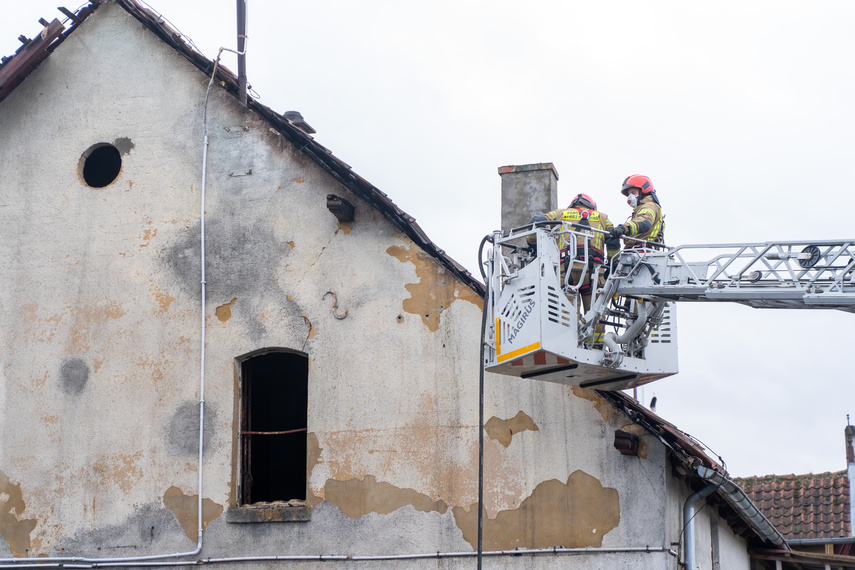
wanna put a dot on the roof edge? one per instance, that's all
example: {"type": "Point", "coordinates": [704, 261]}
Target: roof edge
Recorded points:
{"type": "Point", "coordinates": [692, 461]}
{"type": "Point", "coordinates": [734, 496]}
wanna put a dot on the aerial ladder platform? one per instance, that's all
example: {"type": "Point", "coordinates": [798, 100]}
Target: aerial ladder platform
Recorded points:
{"type": "Point", "coordinates": [537, 328]}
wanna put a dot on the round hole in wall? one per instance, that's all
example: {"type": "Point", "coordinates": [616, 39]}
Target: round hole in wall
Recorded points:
{"type": "Point", "coordinates": [100, 165]}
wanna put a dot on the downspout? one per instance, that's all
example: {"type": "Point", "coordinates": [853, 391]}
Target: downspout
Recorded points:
{"type": "Point", "coordinates": [689, 523]}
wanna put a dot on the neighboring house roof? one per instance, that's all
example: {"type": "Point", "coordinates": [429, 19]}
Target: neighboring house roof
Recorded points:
{"type": "Point", "coordinates": [803, 506]}
{"type": "Point", "coordinates": [14, 69]}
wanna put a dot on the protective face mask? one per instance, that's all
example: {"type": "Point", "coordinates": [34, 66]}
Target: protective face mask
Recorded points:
{"type": "Point", "coordinates": [632, 200]}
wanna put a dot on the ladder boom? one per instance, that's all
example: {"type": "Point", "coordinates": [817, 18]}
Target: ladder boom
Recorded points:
{"type": "Point", "coordinates": [539, 329]}
{"type": "Point", "coordinates": [789, 275]}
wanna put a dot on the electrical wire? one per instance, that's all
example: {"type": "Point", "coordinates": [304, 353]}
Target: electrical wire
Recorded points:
{"type": "Point", "coordinates": [481, 403]}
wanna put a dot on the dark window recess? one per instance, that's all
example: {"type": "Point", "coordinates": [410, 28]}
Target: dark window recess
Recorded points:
{"type": "Point", "coordinates": [101, 165]}
{"type": "Point", "coordinates": [274, 404]}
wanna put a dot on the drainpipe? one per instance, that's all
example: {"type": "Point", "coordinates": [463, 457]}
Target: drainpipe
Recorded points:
{"type": "Point", "coordinates": [689, 523]}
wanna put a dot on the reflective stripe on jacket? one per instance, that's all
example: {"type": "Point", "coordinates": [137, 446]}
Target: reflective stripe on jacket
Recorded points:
{"type": "Point", "coordinates": [646, 222]}
{"type": "Point", "coordinates": [594, 219]}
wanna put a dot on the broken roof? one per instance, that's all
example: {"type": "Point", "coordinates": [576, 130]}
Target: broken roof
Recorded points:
{"type": "Point", "coordinates": [690, 461]}
{"type": "Point", "coordinates": [14, 69]}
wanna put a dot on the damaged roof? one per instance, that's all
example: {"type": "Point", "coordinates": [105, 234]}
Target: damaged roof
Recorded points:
{"type": "Point", "coordinates": [14, 69]}
{"type": "Point", "coordinates": [690, 461]}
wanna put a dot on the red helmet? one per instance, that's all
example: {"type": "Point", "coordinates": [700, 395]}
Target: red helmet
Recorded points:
{"type": "Point", "coordinates": [639, 181]}
{"type": "Point", "coordinates": [584, 200]}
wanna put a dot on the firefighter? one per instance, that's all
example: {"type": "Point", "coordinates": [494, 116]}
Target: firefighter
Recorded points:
{"type": "Point", "coordinates": [582, 211]}
{"type": "Point", "coordinates": [646, 222]}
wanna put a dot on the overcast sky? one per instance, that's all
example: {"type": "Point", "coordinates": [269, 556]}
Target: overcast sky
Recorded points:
{"type": "Point", "coordinates": [740, 112]}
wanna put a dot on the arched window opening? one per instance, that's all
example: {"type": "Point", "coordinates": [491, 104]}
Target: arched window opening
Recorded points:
{"type": "Point", "coordinates": [274, 412]}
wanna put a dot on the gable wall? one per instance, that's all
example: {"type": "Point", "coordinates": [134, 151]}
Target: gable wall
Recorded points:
{"type": "Point", "coordinates": [101, 335]}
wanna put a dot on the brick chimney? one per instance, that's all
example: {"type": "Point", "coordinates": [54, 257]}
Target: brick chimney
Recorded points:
{"type": "Point", "coordinates": [527, 190]}
{"type": "Point", "coordinates": [850, 471]}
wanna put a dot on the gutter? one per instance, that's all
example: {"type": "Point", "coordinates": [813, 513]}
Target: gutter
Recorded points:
{"type": "Point", "coordinates": [820, 541]}
{"type": "Point", "coordinates": [734, 496]}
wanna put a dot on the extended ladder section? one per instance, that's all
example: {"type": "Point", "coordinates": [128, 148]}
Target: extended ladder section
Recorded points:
{"type": "Point", "coordinates": [780, 275]}
{"type": "Point", "coordinates": [538, 328]}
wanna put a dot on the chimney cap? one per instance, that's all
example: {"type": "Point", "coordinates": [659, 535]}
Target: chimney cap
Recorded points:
{"type": "Point", "coordinates": [528, 168]}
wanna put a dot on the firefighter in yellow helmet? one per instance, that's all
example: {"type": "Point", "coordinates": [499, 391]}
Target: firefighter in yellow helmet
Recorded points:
{"type": "Point", "coordinates": [582, 211]}
{"type": "Point", "coordinates": [646, 222]}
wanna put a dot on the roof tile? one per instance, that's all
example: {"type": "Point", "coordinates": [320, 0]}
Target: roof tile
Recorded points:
{"type": "Point", "coordinates": [803, 506]}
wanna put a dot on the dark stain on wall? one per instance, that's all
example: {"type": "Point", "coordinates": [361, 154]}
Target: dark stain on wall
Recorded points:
{"type": "Point", "coordinates": [148, 528]}
{"type": "Point", "coordinates": [182, 430]}
{"type": "Point", "coordinates": [73, 375]}
{"type": "Point", "coordinates": [241, 258]}
{"type": "Point", "coordinates": [124, 145]}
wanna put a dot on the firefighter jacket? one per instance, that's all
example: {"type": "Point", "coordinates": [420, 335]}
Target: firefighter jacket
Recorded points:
{"type": "Point", "coordinates": [647, 222]}
{"type": "Point", "coordinates": [584, 217]}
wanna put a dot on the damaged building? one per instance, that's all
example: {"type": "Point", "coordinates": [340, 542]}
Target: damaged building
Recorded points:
{"type": "Point", "coordinates": [221, 344]}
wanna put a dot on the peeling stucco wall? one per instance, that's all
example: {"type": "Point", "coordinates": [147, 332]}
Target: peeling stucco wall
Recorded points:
{"type": "Point", "coordinates": [186, 510]}
{"type": "Point", "coordinates": [435, 290]}
{"type": "Point", "coordinates": [575, 514]}
{"type": "Point", "coordinates": [503, 430]}
{"type": "Point", "coordinates": [100, 325]}
{"type": "Point", "coordinates": [14, 528]}
{"type": "Point", "coordinates": [356, 498]}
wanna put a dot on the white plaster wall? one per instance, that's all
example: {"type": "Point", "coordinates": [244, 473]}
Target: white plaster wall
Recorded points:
{"type": "Point", "coordinates": [733, 549]}
{"type": "Point", "coordinates": [105, 283]}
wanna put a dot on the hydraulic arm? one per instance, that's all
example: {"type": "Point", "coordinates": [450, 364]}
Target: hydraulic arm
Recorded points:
{"type": "Point", "coordinates": [539, 329]}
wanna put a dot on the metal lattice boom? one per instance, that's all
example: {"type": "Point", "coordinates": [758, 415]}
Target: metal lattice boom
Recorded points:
{"type": "Point", "coordinates": [788, 275]}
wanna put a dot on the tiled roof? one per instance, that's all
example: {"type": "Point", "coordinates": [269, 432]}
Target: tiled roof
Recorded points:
{"type": "Point", "coordinates": [803, 506]}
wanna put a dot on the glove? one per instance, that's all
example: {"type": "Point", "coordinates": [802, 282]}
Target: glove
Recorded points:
{"type": "Point", "coordinates": [617, 231]}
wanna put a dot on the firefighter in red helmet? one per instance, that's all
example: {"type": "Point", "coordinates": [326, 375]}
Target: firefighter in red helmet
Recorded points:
{"type": "Point", "coordinates": [646, 224]}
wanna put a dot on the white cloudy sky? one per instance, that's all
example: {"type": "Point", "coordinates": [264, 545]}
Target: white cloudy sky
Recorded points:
{"type": "Point", "coordinates": [740, 112]}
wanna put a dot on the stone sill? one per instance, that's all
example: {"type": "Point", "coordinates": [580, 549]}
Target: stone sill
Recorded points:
{"type": "Point", "coordinates": [269, 513]}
